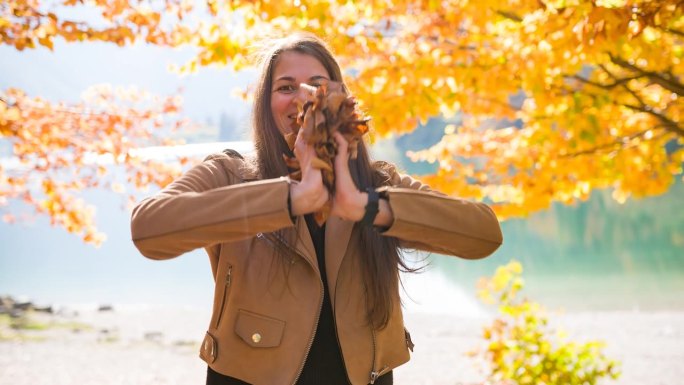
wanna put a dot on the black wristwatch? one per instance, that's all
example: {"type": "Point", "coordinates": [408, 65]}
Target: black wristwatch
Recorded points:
{"type": "Point", "coordinates": [372, 207]}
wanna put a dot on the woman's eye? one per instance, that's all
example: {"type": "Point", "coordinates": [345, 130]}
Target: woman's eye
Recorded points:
{"type": "Point", "coordinates": [286, 89]}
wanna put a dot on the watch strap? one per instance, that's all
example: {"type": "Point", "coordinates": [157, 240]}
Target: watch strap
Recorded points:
{"type": "Point", "coordinates": [372, 207]}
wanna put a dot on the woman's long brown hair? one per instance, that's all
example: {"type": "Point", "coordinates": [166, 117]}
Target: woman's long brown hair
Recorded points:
{"type": "Point", "coordinates": [382, 260]}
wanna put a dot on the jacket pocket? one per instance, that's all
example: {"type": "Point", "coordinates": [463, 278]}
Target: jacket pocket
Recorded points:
{"type": "Point", "coordinates": [257, 330]}
{"type": "Point", "coordinates": [224, 297]}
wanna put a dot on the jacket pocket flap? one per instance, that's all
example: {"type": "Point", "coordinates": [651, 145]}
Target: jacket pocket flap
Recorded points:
{"type": "Point", "coordinates": [257, 330]}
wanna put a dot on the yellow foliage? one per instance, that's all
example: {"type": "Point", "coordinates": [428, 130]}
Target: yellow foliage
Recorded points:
{"type": "Point", "coordinates": [522, 348]}
{"type": "Point", "coordinates": [593, 88]}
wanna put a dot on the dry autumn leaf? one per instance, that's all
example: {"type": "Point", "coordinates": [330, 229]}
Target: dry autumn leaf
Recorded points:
{"type": "Point", "coordinates": [326, 109]}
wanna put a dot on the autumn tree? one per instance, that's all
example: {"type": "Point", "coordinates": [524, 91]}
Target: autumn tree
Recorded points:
{"type": "Point", "coordinates": [60, 149]}
{"type": "Point", "coordinates": [557, 97]}
{"type": "Point", "coordinates": [27, 24]}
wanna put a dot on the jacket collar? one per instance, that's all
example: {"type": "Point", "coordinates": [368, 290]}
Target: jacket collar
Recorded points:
{"type": "Point", "coordinates": [337, 235]}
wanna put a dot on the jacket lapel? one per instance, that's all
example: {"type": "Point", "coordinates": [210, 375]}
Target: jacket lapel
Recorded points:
{"type": "Point", "coordinates": [304, 243]}
{"type": "Point", "coordinates": [337, 234]}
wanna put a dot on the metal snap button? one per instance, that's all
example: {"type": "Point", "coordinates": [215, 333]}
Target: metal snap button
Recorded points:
{"type": "Point", "coordinates": [256, 337]}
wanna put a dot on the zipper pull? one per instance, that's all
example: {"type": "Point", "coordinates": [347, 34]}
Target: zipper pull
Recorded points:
{"type": "Point", "coordinates": [375, 375]}
{"type": "Point", "coordinates": [229, 276]}
{"type": "Point", "coordinates": [409, 343]}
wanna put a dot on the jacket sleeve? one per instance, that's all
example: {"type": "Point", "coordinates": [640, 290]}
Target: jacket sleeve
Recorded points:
{"type": "Point", "coordinates": [431, 221]}
{"type": "Point", "coordinates": [206, 206]}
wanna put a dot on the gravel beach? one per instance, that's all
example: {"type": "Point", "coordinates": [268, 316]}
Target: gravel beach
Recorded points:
{"type": "Point", "coordinates": [159, 345]}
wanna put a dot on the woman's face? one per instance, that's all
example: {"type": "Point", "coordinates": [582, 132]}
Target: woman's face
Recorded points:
{"type": "Point", "coordinates": [291, 69]}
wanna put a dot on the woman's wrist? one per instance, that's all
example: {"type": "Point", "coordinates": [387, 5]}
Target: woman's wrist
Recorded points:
{"type": "Point", "coordinates": [306, 198]}
{"type": "Point", "coordinates": [294, 200]}
{"type": "Point", "coordinates": [357, 206]}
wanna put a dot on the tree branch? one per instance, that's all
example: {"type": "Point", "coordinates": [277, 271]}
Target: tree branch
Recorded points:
{"type": "Point", "coordinates": [624, 85]}
{"type": "Point", "coordinates": [510, 15]}
{"type": "Point", "coordinates": [668, 82]}
{"type": "Point", "coordinates": [620, 142]}
{"type": "Point", "coordinates": [668, 124]}
{"type": "Point", "coordinates": [610, 86]}
{"type": "Point", "coordinates": [673, 31]}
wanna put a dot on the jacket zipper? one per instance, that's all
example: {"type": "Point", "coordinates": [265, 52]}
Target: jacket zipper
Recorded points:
{"type": "Point", "coordinates": [320, 300]}
{"type": "Point", "coordinates": [313, 334]}
{"type": "Point", "coordinates": [229, 278]}
{"type": "Point", "coordinates": [375, 374]}
{"type": "Point", "coordinates": [344, 364]}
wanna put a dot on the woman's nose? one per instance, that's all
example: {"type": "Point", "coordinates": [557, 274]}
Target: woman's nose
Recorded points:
{"type": "Point", "coordinates": [305, 93]}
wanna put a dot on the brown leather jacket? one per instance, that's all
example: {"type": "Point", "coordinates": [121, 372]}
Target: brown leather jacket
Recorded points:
{"type": "Point", "coordinates": [266, 309]}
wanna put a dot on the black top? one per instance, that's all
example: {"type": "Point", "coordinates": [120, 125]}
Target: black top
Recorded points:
{"type": "Point", "coordinates": [324, 364]}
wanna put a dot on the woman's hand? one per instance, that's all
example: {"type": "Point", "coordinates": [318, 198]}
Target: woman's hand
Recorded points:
{"type": "Point", "coordinates": [310, 194]}
{"type": "Point", "coordinates": [348, 202]}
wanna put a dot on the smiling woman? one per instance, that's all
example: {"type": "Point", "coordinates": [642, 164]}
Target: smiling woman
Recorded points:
{"type": "Point", "coordinates": [296, 301]}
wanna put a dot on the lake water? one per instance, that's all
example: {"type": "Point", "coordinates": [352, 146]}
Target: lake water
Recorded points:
{"type": "Point", "coordinates": [597, 255]}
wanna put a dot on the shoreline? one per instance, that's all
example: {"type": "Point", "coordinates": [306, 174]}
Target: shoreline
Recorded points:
{"type": "Point", "coordinates": [148, 344]}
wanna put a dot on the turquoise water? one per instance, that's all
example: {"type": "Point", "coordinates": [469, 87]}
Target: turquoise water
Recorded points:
{"type": "Point", "coordinates": [596, 255]}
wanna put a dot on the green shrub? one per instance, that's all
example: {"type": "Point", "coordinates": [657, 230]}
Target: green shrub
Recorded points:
{"type": "Point", "coordinates": [522, 349]}
{"type": "Point", "coordinates": [23, 322]}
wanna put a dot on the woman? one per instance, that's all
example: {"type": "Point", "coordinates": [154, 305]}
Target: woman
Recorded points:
{"type": "Point", "coordinates": [295, 302]}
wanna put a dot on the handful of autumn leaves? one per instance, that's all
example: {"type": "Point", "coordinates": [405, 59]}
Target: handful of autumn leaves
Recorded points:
{"type": "Point", "coordinates": [325, 110]}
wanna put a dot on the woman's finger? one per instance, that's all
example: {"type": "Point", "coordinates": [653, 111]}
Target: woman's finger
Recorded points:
{"type": "Point", "coordinates": [303, 151]}
{"type": "Point", "coordinates": [348, 201]}
{"type": "Point", "coordinates": [342, 157]}
{"type": "Point", "coordinates": [344, 184]}
{"type": "Point", "coordinates": [300, 142]}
